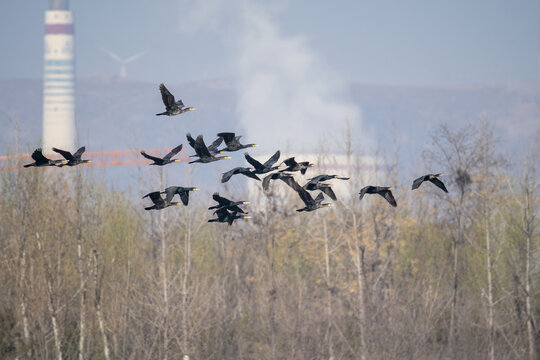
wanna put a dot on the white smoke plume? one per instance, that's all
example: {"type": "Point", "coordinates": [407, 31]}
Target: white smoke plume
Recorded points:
{"type": "Point", "coordinates": [286, 94]}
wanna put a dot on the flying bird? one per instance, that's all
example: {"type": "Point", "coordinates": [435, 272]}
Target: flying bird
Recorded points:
{"type": "Point", "coordinates": [249, 172]}
{"type": "Point", "coordinates": [172, 107]}
{"type": "Point", "coordinates": [72, 159]}
{"type": "Point", "coordinates": [204, 154]}
{"type": "Point", "coordinates": [327, 177]}
{"type": "Point", "coordinates": [223, 215]}
{"type": "Point", "coordinates": [227, 204]}
{"type": "Point", "coordinates": [212, 149]}
{"type": "Point", "coordinates": [311, 204]}
{"type": "Point", "coordinates": [315, 183]}
{"type": "Point", "coordinates": [167, 159]}
{"type": "Point", "coordinates": [180, 190]}
{"type": "Point", "coordinates": [384, 191]}
{"type": "Point", "coordinates": [233, 142]}
{"type": "Point", "coordinates": [292, 165]}
{"type": "Point", "coordinates": [159, 202]}
{"type": "Point", "coordinates": [267, 166]}
{"type": "Point", "coordinates": [433, 178]}
{"type": "Point", "coordinates": [41, 160]}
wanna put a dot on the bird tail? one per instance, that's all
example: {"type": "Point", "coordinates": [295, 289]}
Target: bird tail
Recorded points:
{"type": "Point", "coordinates": [28, 165]}
{"type": "Point", "coordinates": [163, 113]}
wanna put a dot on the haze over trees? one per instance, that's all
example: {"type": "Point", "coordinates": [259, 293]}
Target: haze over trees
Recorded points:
{"type": "Point", "coordinates": [86, 273]}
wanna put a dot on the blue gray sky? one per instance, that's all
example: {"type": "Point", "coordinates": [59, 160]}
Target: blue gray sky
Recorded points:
{"type": "Point", "coordinates": [417, 42]}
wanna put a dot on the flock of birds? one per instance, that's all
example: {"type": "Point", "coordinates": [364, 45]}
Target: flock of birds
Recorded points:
{"type": "Point", "coordinates": [226, 210]}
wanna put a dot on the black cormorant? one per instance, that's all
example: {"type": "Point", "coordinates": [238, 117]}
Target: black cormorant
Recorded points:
{"type": "Point", "coordinates": [180, 190]}
{"type": "Point", "coordinates": [327, 177]}
{"type": "Point", "coordinates": [249, 172]}
{"type": "Point", "coordinates": [166, 159]}
{"type": "Point", "coordinates": [171, 107]}
{"type": "Point", "coordinates": [159, 202]}
{"type": "Point", "coordinates": [212, 149]}
{"type": "Point", "coordinates": [433, 178]}
{"type": "Point", "coordinates": [325, 188]}
{"type": "Point", "coordinates": [41, 160]}
{"type": "Point", "coordinates": [72, 159]}
{"type": "Point", "coordinates": [227, 204]}
{"type": "Point", "coordinates": [384, 191]}
{"type": "Point", "coordinates": [311, 204]}
{"type": "Point", "coordinates": [223, 215]}
{"type": "Point", "coordinates": [267, 166]}
{"type": "Point", "coordinates": [292, 165]}
{"type": "Point", "coordinates": [203, 153]}
{"type": "Point", "coordinates": [233, 142]}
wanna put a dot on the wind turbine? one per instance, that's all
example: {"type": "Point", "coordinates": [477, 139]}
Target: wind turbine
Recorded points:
{"type": "Point", "coordinates": [123, 62]}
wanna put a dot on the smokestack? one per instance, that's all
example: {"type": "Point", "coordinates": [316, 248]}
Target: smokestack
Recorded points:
{"type": "Point", "coordinates": [59, 79]}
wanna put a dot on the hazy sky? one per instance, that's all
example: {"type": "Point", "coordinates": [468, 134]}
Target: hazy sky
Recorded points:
{"type": "Point", "coordinates": [417, 42]}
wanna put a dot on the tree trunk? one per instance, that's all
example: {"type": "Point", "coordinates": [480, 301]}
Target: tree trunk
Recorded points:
{"type": "Point", "coordinates": [97, 304]}
{"type": "Point", "coordinates": [328, 293]}
{"type": "Point", "coordinates": [491, 340]}
{"type": "Point", "coordinates": [360, 275]}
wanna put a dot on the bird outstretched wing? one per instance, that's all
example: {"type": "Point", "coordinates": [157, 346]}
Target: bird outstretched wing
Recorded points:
{"type": "Point", "coordinates": [272, 159]}
{"type": "Point", "coordinates": [363, 191]}
{"type": "Point", "coordinates": [200, 147]}
{"type": "Point", "coordinates": [257, 165]}
{"type": "Point", "coordinates": [227, 136]}
{"type": "Point", "coordinates": [150, 157]}
{"type": "Point", "coordinates": [439, 184]}
{"type": "Point", "coordinates": [213, 148]}
{"type": "Point", "coordinates": [79, 152]}
{"type": "Point", "coordinates": [173, 152]}
{"type": "Point", "coordinates": [167, 97]}
{"type": "Point", "coordinates": [387, 194]}
{"type": "Point", "coordinates": [38, 156]}
{"type": "Point", "coordinates": [66, 154]}
{"type": "Point", "coordinates": [155, 196]}
{"type": "Point", "coordinates": [329, 192]}
{"type": "Point", "coordinates": [417, 182]}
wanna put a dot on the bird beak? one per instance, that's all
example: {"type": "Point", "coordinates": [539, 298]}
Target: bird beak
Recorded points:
{"type": "Point", "coordinates": [177, 203]}
{"type": "Point", "coordinates": [311, 164]}
{"type": "Point", "coordinates": [245, 202]}
{"type": "Point", "coordinates": [279, 167]}
{"type": "Point", "coordinates": [247, 217]}
{"type": "Point", "coordinates": [176, 160]}
{"type": "Point", "coordinates": [227, 157]}
{"type": "Point", "coordinates": [330, 204]}
{"type": "Point", "coordinates": [191, 108]}
{"type": "Point", "coordinates": [89, 161]}
{"type": "Point", "coordinates": [329, 185]}
{"type": "Point", "coordinates": [221, 152]}
{"type": "Point", "coordinates": [389, 188]}
{"type": "Point", "coordinates": [195, 189]}
{"type": "Point", "coordinates": [64, 161]}
{"type": "Point", "coordinates": [254, 145]}
{"type": "Point", "coordinates": [440, 174]}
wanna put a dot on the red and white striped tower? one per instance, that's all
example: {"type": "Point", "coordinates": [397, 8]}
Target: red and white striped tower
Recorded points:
{"type": "Point", "coordinates": [59, 79]}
